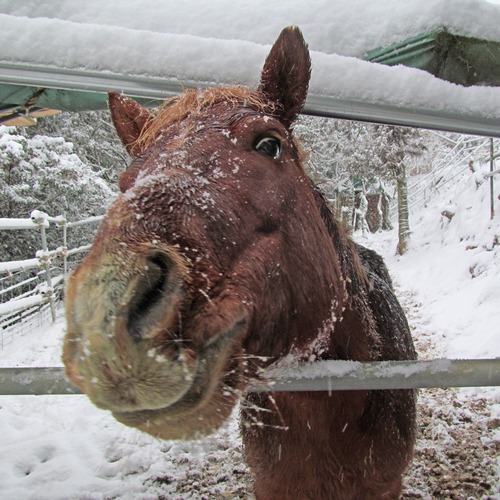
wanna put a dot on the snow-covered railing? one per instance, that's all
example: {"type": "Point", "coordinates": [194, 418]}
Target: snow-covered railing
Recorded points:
{"type": "Point", "coordinates": [23, 289]}
{"type": "Point", "coordinates": [318, 104]}
{"type": "Point", "coordinates": [319, 376]}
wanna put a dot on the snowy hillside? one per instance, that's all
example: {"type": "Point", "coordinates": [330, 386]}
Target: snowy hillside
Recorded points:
{"type": "Point", "coordinates": [453, 266]}
{"type": "Point", "coordinates": [60, 447]}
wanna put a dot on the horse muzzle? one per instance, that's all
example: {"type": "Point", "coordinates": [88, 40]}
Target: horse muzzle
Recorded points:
{"type": "Point", "coordinates": [132, 349]}
{"type": "Point", "coordinates": [122, 345]}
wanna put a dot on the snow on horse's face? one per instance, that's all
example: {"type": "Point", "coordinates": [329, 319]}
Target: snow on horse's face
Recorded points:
{"type": "Point", "coordinates": [198, 259]}
{"type": "Point", "coordinates": [218, 258]}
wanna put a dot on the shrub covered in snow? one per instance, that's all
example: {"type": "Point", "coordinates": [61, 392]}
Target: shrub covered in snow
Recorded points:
{"type": "Point", "coordinates": [43, 173]}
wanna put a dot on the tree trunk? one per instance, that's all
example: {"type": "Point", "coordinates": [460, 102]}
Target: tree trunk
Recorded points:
{"type": "Point", "coordinates": [386, 214]}
{"type": "Point", "coordinates": [346, 208]}
{"type": "Point", "coordinates": [492, 179]}
{"type": "Point", "coordinates": [403, 215]}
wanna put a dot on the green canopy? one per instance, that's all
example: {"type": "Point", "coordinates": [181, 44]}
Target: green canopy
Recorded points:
{"type": "Point", "coordinates": [457, 59]}
{"type": "Point", "coordinates": [20, 102]}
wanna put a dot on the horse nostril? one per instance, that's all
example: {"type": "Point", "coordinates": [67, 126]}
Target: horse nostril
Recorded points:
{"type": "Point", "coordinates": [159, 263]}
{"type": "Point", "coordinates": [148, 299]}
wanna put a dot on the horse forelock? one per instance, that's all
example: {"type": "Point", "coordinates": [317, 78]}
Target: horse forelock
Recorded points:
{"type": "Point", "coordinates": [193, 103]}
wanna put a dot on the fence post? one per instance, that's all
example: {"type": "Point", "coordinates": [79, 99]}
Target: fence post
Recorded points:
{"type": "Point", "coordinates": [64, 225]}
{"type": "Point", "coordinates": [41, 219]}
{"type": "Point", "coordinates": [492, 179]}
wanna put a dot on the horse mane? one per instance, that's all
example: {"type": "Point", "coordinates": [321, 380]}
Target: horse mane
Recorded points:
{"type": "Point", "coordinates": [350, 260]}
{"type": "Point", "coordinates": [193, 102]}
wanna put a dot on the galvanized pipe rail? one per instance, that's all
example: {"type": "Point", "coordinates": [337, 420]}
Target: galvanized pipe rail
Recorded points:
{"type": "Point", "coordinates": [319, 376]}
{"type": "Point", "coordinates": [354, 375]}
{"type": "Point", "coordinates": [155, 88]}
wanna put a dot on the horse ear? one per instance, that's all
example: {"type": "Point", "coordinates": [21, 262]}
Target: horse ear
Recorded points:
{"type": "Point", "coordinates": [286, 73]}
{"type": "Point", "coordinates": [129, 118]}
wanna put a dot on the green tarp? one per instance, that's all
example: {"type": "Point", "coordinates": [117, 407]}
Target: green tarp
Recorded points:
{"type": "Point", "coordinates": [65, 100]}
{"type": "Point", "coordinates": [21, 99]}
{"type": "Point", "coordinates": [457, 59]}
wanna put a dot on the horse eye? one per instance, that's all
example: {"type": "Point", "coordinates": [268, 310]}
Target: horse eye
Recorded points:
{"type": "Point", "coordinates": [270, 146]}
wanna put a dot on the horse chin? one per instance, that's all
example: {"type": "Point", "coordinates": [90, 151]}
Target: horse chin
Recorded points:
{"type": "Point", "coordinates": [181, 395]}
{"type": "Point", "coordinates": [194, 416]}
{"type": "Point", "coordinates": [188, 423]}
{"type": "Point", "coordinates": [209, 400]}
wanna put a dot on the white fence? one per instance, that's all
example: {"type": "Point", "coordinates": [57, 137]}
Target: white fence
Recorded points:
{"type": "Point", "coordinates": [31, 288]}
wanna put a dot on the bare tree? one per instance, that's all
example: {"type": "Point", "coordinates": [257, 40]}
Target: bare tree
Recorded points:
{"type": "Point", "coordinates": [346, 153]}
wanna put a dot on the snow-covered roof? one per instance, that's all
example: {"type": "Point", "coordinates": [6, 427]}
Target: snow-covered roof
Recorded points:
{"type": "Point", "coordinates": [226, 41]}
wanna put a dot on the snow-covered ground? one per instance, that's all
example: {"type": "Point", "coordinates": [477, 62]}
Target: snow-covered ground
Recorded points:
{"type": "Point", "coordinates": [60, 447]}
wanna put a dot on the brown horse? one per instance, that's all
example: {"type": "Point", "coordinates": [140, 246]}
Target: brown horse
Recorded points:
{"type": "Point", "coordinates": [220, 258]}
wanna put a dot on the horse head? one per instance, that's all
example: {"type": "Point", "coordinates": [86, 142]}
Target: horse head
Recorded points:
{"type": "Point", "coordinates": [212, 261]}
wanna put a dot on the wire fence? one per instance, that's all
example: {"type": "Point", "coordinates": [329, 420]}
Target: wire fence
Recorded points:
{"type": "Point", "coordinates": [31, 289]}
{"type": "Point", "coordinates": [448, 167]}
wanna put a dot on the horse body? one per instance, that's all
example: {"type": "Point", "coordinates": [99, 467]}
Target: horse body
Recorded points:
{"type": "Point", "coordinates": [220, 258]}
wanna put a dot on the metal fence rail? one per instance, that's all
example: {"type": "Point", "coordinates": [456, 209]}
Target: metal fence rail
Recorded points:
{"type": "Point", "coordinates": [319, 376]}
{"type": "Point", "coordinates": [354, 375]}
{"type": "Point", "coordinates": [152, 87]}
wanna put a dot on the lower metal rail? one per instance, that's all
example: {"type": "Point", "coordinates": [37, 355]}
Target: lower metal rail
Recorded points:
{"type": "Point", "coordinates": [318, 376]}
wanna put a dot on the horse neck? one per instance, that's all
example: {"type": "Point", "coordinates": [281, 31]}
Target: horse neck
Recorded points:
{"type": "Point", "coordinates": [326, 315]}
{"type": "Point", "coordinates": [355, 336]}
